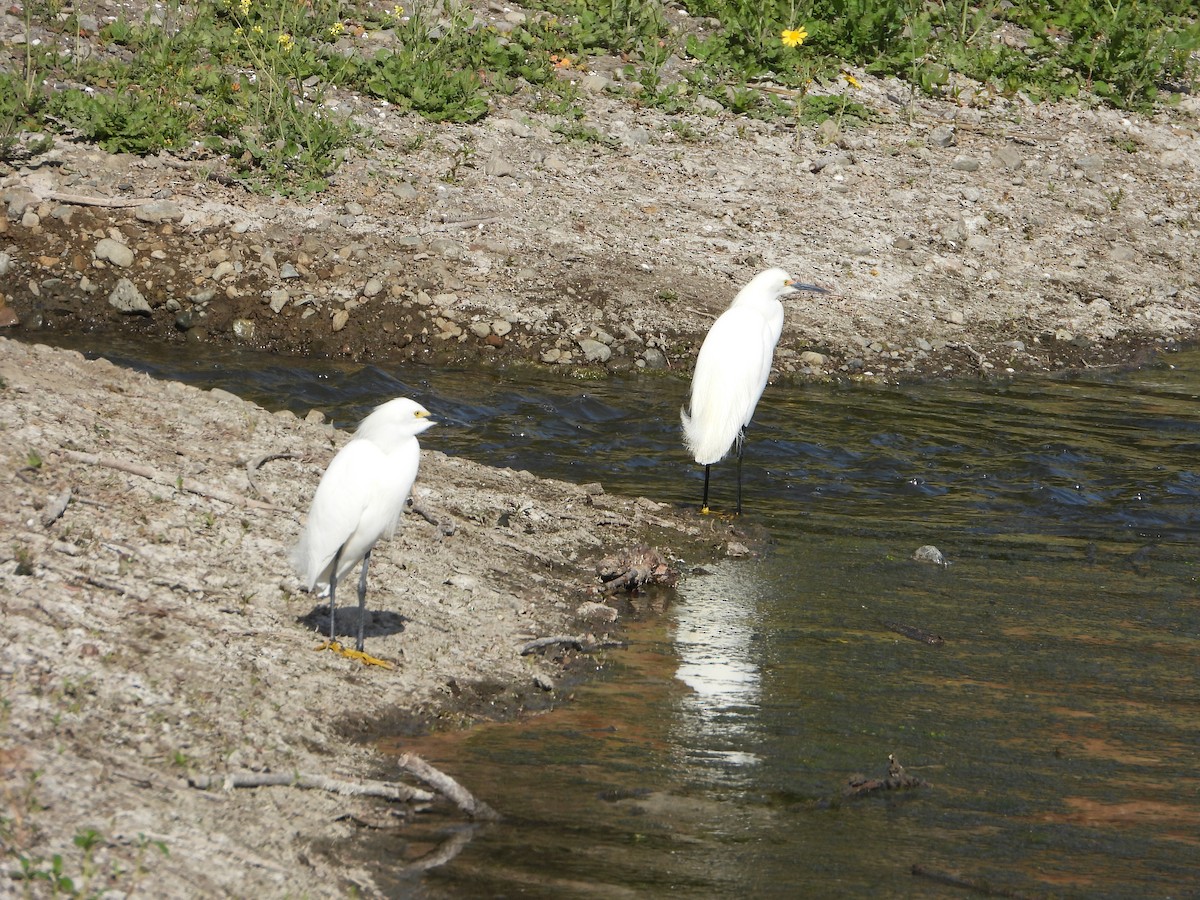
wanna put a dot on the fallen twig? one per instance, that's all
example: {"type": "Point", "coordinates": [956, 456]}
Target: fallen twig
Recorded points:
{"type": "Point", "coordinates": [444, 525]}
{"type": "Point", "coordinates": [181, 483]}
{"type": "Point", "coordinates": [582, 643]}
{"type": "Point", "coordinates": [255, 464]}
{"type": "Point", "coordinates": [387, 790]}
{"type": "Point", "coordinates": [633, 569]}
{"type": "Point", "coordinates": [897, 779]}
{"type": "Point", "coordinates": [109, 202]}
{"type": "Point", "coordinates": [979, 887]}
{"type": "Point", "coordinates": [447, 787]}
{"type": "Point", "coordinates": [914, 633]}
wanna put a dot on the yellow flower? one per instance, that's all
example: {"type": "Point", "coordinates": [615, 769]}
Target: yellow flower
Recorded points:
{"type": "Point", "coordinates": [793, 37]}
{"type": "Point", "coordinates": [336, 28]}
{"type": "Point", "coordinates": [257, 29]}
{"type": "Point", "coordinates": [286, 41]}
{"type": "Point", "coordinates": [244, 6]}
{"type": "Point", "coordinates": [850, 79]}
{"type": "Point", "coordinates": [397, 12]}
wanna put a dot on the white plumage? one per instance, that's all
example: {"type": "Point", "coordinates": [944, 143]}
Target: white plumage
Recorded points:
{"type": "Point", "coordinates": [732, 369]}
{"type": "Point", "coordinates": [360, 499]}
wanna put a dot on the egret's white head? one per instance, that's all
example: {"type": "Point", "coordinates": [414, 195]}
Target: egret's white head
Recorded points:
{"type": "Point", "coordinates": [393, 420]}
{"type": "Point", "coordinates": [773, 284]}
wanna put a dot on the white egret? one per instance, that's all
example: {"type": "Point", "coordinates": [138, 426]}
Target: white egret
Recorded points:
{"type": "Point", "coordinates": [732, 370]}
{"type": "Point", "coordinates": [359, 501]}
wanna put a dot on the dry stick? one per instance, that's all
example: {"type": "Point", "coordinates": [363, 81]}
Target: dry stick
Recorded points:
{"type": "Point", "coordinates": [110, 202]}
{"type": "Point", "coordinates": [576, 642]}
{"type": "Point", "coordinates": [185, 484]}
{"type": "Point", "coordinates": [255, 464]}
{"type": "Point", "coordinates": [445, 526]}
{"type": "Point", "coordinates": [386, 790]}
{"type": "Point", "coordinates": [582, 644]}
{"type": "Point", "coordinates": [447, 787]}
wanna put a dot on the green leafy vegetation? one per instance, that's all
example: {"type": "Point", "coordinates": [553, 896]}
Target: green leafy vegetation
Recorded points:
{"type": "Point", "coordinates": [253, 80]}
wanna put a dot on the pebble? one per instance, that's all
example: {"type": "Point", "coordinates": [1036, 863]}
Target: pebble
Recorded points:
{"type": "Point", "coordinates": [654, 358]}
{"type": "Point", "coordinates": [126, 298]}
{"type": "Point", "coordinates": [158, 211]}
{"type": "Point", "coordinates": [942, 136]}
{"type": "Point", "coordinates": [340, 318]}
{"type": "Point", "coordinates": [499, 167]}
{"type": "Point", "coordinates": [114, 252]}
{"type": "Point", "coordinates": [595, 351]}
{"type": "Point", "coordinates": [279, 300]}
{"type": "Point", "coordinates": [501, 327]}
{"type": "Point", "coordinates": [373, 287]}
{"type": "Point", "coordinates": [930, 554]}
{"type": "Point", "coordinates": [287, 270]}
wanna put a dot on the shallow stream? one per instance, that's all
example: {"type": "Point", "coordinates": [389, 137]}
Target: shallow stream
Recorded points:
{"type": "Point", "coordinates": [1057, 724]}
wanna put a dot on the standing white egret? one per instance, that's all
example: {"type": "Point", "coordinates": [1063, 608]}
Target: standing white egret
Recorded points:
{"type": "Point", "coordinates": [732, 370]}
{"type": "Point", "coordinates": [359, 500]}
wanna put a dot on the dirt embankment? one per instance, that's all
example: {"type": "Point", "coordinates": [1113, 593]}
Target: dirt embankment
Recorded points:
{"type": "Point", "coordinates": [957, 240]}
{"type": "Point", "coordinates": [153, 630]}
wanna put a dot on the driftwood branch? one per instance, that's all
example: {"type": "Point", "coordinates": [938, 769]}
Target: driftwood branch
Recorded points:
{"type": "Point", "coordinates": [970, 884]}
{"type": "Point", "coordinates": [633, 569]}
{"type": "Point", "coordinates": [447, 787]}
{"type": "Point", "coordinates": [108, 202]}
{"type": "Point", "coordinates": [184, 484]}
{"type": "Point", "coordinates": [255, 464]}
{"type": "Point", "coordinates": [582, 643]}
{"type": "Point", "coordinates": [896, 779]}
{"type": "Point", "coordinates": [445, 525]}
{"type": "Point", "coordinates": [912, 632]}
{"type": "Point", "coordinates": [384, 789]}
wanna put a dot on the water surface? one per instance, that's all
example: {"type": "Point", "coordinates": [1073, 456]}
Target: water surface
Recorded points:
{"type": "Point", "coordinates": [1057, 725]}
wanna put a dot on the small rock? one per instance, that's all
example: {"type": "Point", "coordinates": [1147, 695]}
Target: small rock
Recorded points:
{"type": "Point", "coordinates": [595, 84]}
{"type": "Point", "coordinates": [158, 211]}
{"type": "Point", "coordinates": [654, 358]}
{"type": "Point", "coordinates": [340, 318]}
{"type": "Point", "coordinates": [595, 351]}
{"type": "Point", "coordinates": [501, 327]}
{"type": "Point", "coordinates": [480, 329]}
{"type": "Point", "coordinates": [126, 298]}
{"type": "Point", "coordinates": [929, 554]}
{"type": "Point", "coordinates": [499, 167]}
{"type": "Point", "coordinates": [943, 136]}
{"type": "Point", "coordinates": [223, 270]}
{"type": "Point", "coordinates": [814, 359]}
{"type": "Point", "coordinates": [5, 264]}
{"type": "Point", "coordinates": [965, 164]}
{"type": "Point", "coordinates": [279, 300]}
{"type": "Point", "coordinates": [373, 287]}
{"type": "Point", "coordinates": [596, 612]}
{"type": "Point", "coordinates": [114, 252]}
{"type": "Point", "coordinates": [287, 270]}
{"type": "Point", "coordinates": [1010, 158]}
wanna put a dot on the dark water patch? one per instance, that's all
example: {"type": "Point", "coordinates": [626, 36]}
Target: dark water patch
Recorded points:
{"type": "Point", "coordinates": [1055, 723]}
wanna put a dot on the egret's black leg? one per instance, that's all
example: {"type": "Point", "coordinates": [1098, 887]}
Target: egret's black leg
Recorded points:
{"type": "Point", "coordinates": [332, 590]}
{"type": "Point", "coordinates": [362, 601]}
{"type": "Point", "coordinates": [704, 503]}
{"type": "Point", "coordinates": [741, 441]}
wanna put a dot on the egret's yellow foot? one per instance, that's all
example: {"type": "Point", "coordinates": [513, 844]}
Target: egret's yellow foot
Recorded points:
{"type": "Point", "coordinates": [704, 511]}
{"type": "Point", "coordinates": [365, 658]}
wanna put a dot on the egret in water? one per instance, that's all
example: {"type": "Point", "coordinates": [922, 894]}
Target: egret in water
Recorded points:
{"type": "Point", "coordinates": [732, 370]}
{"type": "Point", "coordinates": [359, 501]}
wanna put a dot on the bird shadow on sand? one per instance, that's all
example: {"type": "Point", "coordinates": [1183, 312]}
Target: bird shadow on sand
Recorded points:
{"type": "Point", "coordinates": [379, 622]}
